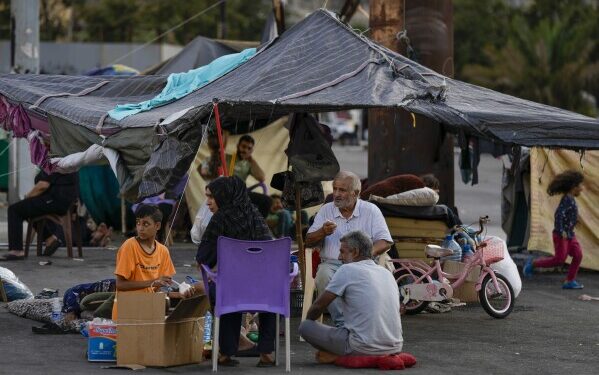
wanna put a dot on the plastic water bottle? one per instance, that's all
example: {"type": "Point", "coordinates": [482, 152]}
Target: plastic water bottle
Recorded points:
{"type": "Point", "coordinates": [451, 244]}
{"type": "Point", "coordinates": [56, 311]}
{"type": "Point", "coordinates": [296, 283]}
{"type": "Point", "coordinates": [207, 333]}
{"type": "Point", "coordinates": [467, 252]}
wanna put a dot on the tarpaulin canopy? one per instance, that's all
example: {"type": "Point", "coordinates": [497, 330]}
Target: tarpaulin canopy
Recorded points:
{"type": "Point", "coordinates": [200, 51]}
{"type": "Point", "coordinates": [320, 64]}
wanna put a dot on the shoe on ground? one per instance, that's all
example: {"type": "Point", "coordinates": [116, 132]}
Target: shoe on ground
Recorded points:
{"type": "Point", "coordinates": [47, 293]}
{"type": "Point", "coordinates": [51, 249]}
{"type": "Point", "coordinates": [528, 268]}
{"type": "Point", "coordinates": [572, 285]}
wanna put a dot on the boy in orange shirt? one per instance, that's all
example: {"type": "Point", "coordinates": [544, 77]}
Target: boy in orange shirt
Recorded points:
{"type": "Point", "coordinates": [142, 263]}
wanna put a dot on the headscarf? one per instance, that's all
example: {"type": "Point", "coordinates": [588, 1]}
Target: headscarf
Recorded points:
{"type": "Point", "coordinates": [236, 218]}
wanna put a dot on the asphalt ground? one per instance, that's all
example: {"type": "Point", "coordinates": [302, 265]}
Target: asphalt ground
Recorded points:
{"type": "Point", "coordinates": [549, 332]}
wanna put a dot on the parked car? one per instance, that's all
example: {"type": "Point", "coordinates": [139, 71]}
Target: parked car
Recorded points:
{"type": "Point", "coordinates": [344, 128]}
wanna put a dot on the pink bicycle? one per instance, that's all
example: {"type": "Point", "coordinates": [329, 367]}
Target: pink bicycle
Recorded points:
{"type": "Point", "coordinates": [420, 283]}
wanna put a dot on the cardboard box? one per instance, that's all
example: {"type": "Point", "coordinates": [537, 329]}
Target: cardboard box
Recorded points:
{"type": "Point", "coordinates": [467, 291]}
{"type": "Point", "coordinates": [147, 337]}
{"type": "Point", "coordinates": [101, 343]}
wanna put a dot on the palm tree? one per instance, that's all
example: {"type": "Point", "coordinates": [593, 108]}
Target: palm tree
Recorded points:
{"type": "Point", "coordinates": [548, 63]}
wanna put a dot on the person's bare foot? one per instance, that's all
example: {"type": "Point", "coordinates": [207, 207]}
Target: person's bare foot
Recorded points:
{"type": "Point", "coordinates": [325, 357]}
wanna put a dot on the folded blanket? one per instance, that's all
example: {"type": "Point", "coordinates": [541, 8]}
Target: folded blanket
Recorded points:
{"type": "Point", "coordinates": [41, 311]}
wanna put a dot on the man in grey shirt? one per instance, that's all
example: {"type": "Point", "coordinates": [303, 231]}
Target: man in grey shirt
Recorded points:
{"type": "Point", "coordinates": [370, 302]}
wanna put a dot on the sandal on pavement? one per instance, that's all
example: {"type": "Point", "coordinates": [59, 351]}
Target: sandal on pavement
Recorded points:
{"type": "Point", "coordinates": [51, 249]}
{"type": "Point", "coordinates": [229, 362]}
{"type": "Point", "coordinates": [262, 363]}
{"type": "Point", "coordinates": [49, 329]}
{"type": "Point", "coordinates": [12, 257]}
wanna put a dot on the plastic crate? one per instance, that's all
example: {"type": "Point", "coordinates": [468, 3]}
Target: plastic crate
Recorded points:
{"type": "Point", "coordinates": [297, 302]}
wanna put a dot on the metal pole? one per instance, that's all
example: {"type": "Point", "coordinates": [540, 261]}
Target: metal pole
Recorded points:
{"type": "Point", "coordinates": [221, 32]}
{"type": "Point", "coordinates": [123, 216]}
{"type": "Point", "coordinates": [25, 40]}
{"type": "Point", "coordinates": [298, 234]}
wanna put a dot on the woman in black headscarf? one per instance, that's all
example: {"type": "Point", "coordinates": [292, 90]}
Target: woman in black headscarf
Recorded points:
{"type": "Point", "coordinates": [235, 217]}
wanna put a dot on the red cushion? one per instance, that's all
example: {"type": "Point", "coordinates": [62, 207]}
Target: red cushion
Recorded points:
{"type": "Point", "coordinates": [383, 362]}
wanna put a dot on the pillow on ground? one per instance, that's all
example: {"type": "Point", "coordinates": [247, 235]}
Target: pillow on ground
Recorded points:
{"type": "Point", "coordinates": [417, 197]}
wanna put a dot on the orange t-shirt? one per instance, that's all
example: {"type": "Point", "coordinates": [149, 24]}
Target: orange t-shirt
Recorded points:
{"type": "Point", "coordinates": [134, 264]}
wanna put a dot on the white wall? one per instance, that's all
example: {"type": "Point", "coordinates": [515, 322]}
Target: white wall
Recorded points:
{"type": "Point", "coordinates": [78, 58]}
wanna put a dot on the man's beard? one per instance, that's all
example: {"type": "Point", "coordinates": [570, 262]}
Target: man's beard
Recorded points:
{"type": "Point", "coordinates": [342, 203]}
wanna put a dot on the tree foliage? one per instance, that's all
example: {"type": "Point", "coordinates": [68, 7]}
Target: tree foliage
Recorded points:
{"type": "Point", "coordinates": [546, 51]}
{"type": "Point", "coordinates": [547, 57]}
{"type": "Point", "coordinates": [142, 20]}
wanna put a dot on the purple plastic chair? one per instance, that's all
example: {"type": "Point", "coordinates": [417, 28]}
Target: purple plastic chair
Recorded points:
{"type": "Point", "coordinates": [253, 276]}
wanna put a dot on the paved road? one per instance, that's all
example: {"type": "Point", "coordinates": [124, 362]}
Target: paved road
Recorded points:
{"type": "Point", "coordinates": [549, 332]}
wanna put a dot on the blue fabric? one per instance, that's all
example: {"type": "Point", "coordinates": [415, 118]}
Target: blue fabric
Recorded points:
{"type": "Point", "coordinates": [566, 216]}
{"type": "Point", "coordinates": [73, 296]}
{"type": "Point", "coordinates": [180, 84]}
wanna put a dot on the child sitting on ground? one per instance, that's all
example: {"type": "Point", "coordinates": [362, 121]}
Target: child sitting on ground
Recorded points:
{"type": "Point", "coordinates": [569, 184]}
{"type": "Point", "coordinates": [142, 263]}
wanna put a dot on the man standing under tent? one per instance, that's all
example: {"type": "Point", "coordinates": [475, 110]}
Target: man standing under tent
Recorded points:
{"type": "Point", "coordinates": [345, 214]}
{"type": "Point", "coordinates": [244, 164]}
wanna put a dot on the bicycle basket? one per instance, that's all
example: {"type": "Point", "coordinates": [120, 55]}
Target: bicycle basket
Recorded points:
{"type": "Point", "coordinates": [493, 252]}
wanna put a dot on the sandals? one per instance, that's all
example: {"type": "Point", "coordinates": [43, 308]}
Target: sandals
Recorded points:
{"type": "Point", "coordinates": [9, 256]}
{"type": "Point", "coordinates": [51, 329]}
{"type": "Point", "coordinates": [262, 363]}
{"type": "Point", "coordinates": [229, 362]}
{"type": "Point", "coordinates": [51, 249]}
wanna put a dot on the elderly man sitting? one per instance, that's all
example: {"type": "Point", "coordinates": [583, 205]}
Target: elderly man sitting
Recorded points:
{"type": "Point", "coordinates": [346, 213]}
{"type": "Point", "coordinates": [370, 303]}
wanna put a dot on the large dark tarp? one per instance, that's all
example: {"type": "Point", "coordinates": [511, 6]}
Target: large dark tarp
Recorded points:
{"type": "Point", "coordinates": [318, 65]}
{"type": "Point", "coordinates": [199, 52]}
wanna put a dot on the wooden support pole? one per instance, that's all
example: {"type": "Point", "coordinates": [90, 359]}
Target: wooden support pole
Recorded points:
{"type": "Point", "coordinates": [123, 217]}
{"type": "Point", "coordinates": [397, 145]}
{"type": "Point", "coordinates": [298, 235]}
{"type": "Point", "coordinates": [219, 133]}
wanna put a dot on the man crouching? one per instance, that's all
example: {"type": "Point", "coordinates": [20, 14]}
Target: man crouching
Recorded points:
{"type": "Point", "coordinates": [370, 302]}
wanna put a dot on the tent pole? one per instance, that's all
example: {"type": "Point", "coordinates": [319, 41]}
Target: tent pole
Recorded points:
{"type": "Point", "coordinates": [219, 132]}
{"type": "Point", "coordinates": [298, 234]}
{"type": "Point", "coordinates": [123, 216]}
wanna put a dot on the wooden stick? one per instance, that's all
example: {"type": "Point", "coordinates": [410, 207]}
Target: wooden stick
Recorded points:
{"type": "Point", "coordinates": [219, 132]}
{"type": "Point", "coordinates": [298, 234]}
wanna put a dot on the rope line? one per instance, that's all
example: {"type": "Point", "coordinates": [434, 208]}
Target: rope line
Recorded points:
{"type": "Point", "coordinates": [188, 178]}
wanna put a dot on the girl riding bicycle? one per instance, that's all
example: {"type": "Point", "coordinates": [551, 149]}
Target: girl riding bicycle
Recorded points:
{"type": "Point", "coordinates": [569, 184]}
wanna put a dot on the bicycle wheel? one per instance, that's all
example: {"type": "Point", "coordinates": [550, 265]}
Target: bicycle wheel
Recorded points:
{"type": "Point", "coordinates": [497, 303]}
{"type": "Point", "coordinates": [403, 277]}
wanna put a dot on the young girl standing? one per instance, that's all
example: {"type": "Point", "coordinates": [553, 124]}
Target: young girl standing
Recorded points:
{"type": "Point", "coordinates": [569, 184]}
